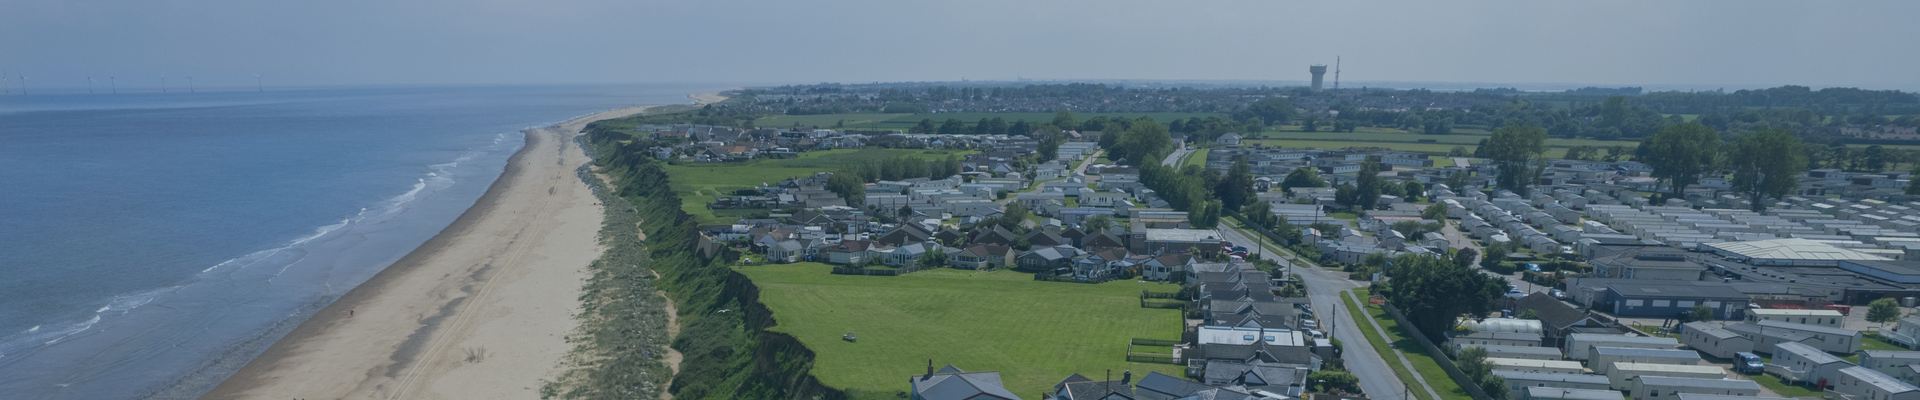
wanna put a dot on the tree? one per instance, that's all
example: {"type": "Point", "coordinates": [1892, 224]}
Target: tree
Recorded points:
{"type": "Point", "coordinates": [1514, 149]}
{"type": "Point", "coordinates": [1236, 189]}
{"type": "Point", "coordinates": [1883, 310]}
{"type": "Point", "coordinates": [1302, 177]}
{"type": "Point", "coordinates": [1913, 186]}
{"type": "Point", "coordinates": [1679, 154]}
{"type": "Point", "coordinates": [1464, 257]}
{"type": "Point", "coordinates": [1145, 141]}
{"type": "Point", "coordinates": [1435, 211]}
{"type": "Point", "coordinates": [1700, 313]}
{"type": "Point", "coordinates": [1874, 159]}
{"type": "Point", "coordinates": [1473, 362]}
{"type": "Point", "coordinates": [1766, 165]}
{"type": "Point", "coordinates": [953, 127]}
{"type": "Point", "coordinates": [1269, 111]}
{"type": "Point", "coordinates": [1013, 215]}
{"type": "Point", "coordinates": [1433, 292]}
{"type": "Point", "coordinates": [1366, 193]}
{"type": "Point", "coordinates": [925, 126]}
{"type": "Point", "coordinates": [1098, 223]}
{"type": "Point", "coordinates": [851, 187]}
{"type": "Point", "coordinates": [1495, 254]}
{"type": "Point", "coordinates": [1458, 179]}
{"type": "Point", "coordinates": [1064, 119]}
{"type": "Point", "coordinates": [1414, 190]}
{"type": "Point", "coordinates": [1344, 195]}
{"type": "Point", "coordinates": [1327, 380]}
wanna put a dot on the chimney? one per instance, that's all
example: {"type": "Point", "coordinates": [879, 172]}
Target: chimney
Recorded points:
{"type": "Point", "coordinates": [1126, 377]}
{"type": "Point", "coordinates": [929, 374]}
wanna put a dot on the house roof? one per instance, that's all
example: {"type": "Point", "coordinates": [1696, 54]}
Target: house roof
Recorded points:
{"type": "Point", "coordinates": [1094, 390]}
{"type": "Point", "coordinates": [1554, 314]}
{"type": "Point", "coordinates": [1790, 249]}
{"type": "Point", "coordinates": [1704, 383]}
{"type": "Point", "coordinates": [1157, 386]}
{"type": "Point", "coordinates": [952, 383]}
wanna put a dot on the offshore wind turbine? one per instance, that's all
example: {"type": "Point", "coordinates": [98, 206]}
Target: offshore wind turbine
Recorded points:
{"type": "Point", "coordinates": [163, 83]}
{"type": "Point", "coordinates": [113, 84]}
{"type": "Point", "coordinates": [190, 84]}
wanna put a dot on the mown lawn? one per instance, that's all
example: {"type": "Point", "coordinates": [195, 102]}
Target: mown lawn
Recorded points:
{"type": "Point", "coordinates": [699, 184]}
{"type": "Point", "coordinates": [1034, 333]}
{"type": "Point", "coordinates": [1398, 341]}
{"type": "Point", "coordinates": [1198, 158]}
{"type": "Point", "coordinates": [905, 121]}
{"type": "Point", "coordinates": [1774, 384]}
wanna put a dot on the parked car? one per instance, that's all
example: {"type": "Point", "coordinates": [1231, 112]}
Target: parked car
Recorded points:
{"type": "Point", "coordinates": [1748, 363]}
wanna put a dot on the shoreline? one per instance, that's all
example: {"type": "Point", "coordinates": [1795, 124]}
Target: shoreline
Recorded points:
{"type": "Point", "coordinates": [482, 309]}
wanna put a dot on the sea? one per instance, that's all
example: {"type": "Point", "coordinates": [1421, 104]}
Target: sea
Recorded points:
{"type": "Point", "coordinates": [153, 243]}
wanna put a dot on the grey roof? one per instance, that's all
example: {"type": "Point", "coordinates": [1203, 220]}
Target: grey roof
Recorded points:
{"type": "Point", "coordinates": [1722, 383]}
{"type": "Point", "coordinates": [1878, 379]}
{"type": "Point", "coordinates": [1674, 290]}
{"type": "Point", "coordinates": [1699, 396]}
{"type": "Point", "coordinates": [1711, 330]}
{"type": "Point", "coordinates": [1511, 375]}
{"type": "Point", "coordinates": [1825, 330]}
{"type": "Point", "coordinates": [1640, 352]}
{"type": "Point", "coordinates": [952, 383]}
{"type": "Point", "coordinates": [1096, 389]}
{"type": "Point", "coordinates": [1157, 386]}
{"type": "Point", "coordinates": [1590, 338]}
{"type": "Point", "coordinates": [1498, 350]}
{"type": "Point", "coordinates": [1809, 353]}
{"type": "Point", "coordinates": [1549, 392]}
{"type": "Point", "coordinates": [1784, 335]}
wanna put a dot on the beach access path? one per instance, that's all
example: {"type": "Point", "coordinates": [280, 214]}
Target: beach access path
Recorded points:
{"type": "Point", "coordinates": [481, 311]}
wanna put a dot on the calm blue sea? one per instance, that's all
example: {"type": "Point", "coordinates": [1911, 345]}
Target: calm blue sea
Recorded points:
{"type": "Point", "coordinates": [150, 244]}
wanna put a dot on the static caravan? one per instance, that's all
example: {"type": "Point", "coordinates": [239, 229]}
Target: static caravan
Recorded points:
{"type": "Point", "coordinates": [1518, 382]}
{"type": "Point", "coordinates": [1622, 374]}
{"type": "Point", "coordinates": [1890, 362]}
{"type": "Point", "coordinates": [1862, 383]}
{"type": "Point", "coordinates": [1556, 393]}
{"type": "Point", "coordinates": [1798, 362]}
{"type": "Point", "coordinates": [1604, 357]}
{"type": "Point", "coordinates": [1542, 366]}
{"type": "Point", "coordinates": [1579, 345]}
{"type": "Point", "coordinates": [1659, 387]}
{"type": "Point", "coordinates": [1713, 340]}
{"type": "Point", "coordinates": [1828, 318]}
{"type": "Point", "coordinates": [1524, 352]}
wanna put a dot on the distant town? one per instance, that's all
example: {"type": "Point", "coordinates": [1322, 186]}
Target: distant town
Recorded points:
{"type": "Point", "coordinates": [1277, 243]}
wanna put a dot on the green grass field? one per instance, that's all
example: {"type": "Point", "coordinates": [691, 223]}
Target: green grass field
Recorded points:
{"type": "Point", "coordinates": [699, 184]}
{"type": "Point", "coordinates": [1397, 341]}
{"type": "Point", "coordinates": [1401, 140]}
{"type": "Point", "coordinates": [1034, 333]}
{"type": "Point", "coordinates": [905, 121]}
{"type": "Point", "coordinates": [1198, 158]}
{"type": "Point", "coordinates": [1774, 384]}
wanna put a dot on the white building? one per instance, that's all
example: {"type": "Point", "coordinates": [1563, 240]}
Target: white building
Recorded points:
{"type": "Point", "coordinates": [1861, 383]}
{"type": "Point", "coordinates": [1518, 382]}
{"type": "Point", "coordinates": [1713, 340]}
{"type": "Point", "coordinates": [1667, 387]}
{"type": "Point", "coordinates": [1541, 366]}
{"type": "Point", "coordinates": [1827, 318]}
{"type": "Point", "coordinates": [1798, 362]}
{"type": "Point", "coordinates": [1578, 345]}
{"type": "Point", "coordinates": [1605, 357]}
{"type": "Point", "coordinates": [1556, 393]}
{"type": "Point", "coordinates": [1890, 362]}
{"type": "Point", "coordinates": [1623, 374]}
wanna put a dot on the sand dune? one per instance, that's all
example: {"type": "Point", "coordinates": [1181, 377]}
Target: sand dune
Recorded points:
{"type": "Point", "coordinates": [481, 311]}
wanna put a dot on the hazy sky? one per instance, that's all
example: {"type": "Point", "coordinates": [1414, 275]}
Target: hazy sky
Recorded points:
{"type": "Point", "coordinates": [312, 42]}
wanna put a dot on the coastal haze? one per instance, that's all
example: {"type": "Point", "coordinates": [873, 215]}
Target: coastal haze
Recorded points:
{"type": "Point", "coordinates": [442, 199]}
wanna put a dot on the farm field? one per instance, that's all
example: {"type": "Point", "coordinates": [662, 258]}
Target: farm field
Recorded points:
{"type": "Point", "coordinates": [904, 121]}
{"type": "Point", "coordinates": [699, 184]}
{"type": "Point", "coordinates": [1034, 333]}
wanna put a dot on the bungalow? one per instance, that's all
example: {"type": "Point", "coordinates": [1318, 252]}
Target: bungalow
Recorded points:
{"type": "Point", "coordinates": [981, 256]}
{"type": "Point", "coordinates": [1046, 258]}
{"type": "Point", "coordinates": [786, 251]}
{"type": "Point", "coordinates": [847, 252]}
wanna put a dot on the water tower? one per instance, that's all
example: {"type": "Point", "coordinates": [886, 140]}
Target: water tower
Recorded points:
{"type": "Point", "coordinates": [1319, 73]}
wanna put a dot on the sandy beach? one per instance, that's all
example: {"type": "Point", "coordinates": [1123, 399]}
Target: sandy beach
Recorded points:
{"type": "Point", "coordinates": [481, 311]}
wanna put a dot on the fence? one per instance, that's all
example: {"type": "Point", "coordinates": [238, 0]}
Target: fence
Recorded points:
{"type": "Point", "coordinates": [1160, 300]}
{"type": "Point", "coordinates": [876, 271]}
{"type": "Point", "coordinates": [1441, 357]}
{"type": "Point", "coordinates": [1049, 277]}
{"type": "Point", "coordinates": [1168, 357]}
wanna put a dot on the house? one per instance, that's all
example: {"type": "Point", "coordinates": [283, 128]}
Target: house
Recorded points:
{"type": "Point", "coordinates": [1077, 387]}
{"type": "Point", "coordinates": [786, 251]}
{"type": "Point", "coordinates": [1258, 376]}
{"type": "Point", "coordinates": [1766, 334]}
{"type": "Point", "coordinates": [1623, 374]}
{"type": "Point", "coordinates": [951, 383]}
{"type": "Point", "coordinates": [1861, 383]}
{"type": "Point", "coordinates": [1162, 240]}
{"type": "Point", "coordinates": [1798, 362]}
{"type": "Point", "coordinates": [981, 256]}
{"type": "Point", "coordinates": [1046, 258]}
{"type": "Point", "coordinates": [1605, 357]}
{"type": "Point", "coordinates": [1658, 387]}
{"type": "Point", "coordinates": [1580, 345]}
{"type": "Point", "coordinates": [1167, 267]}
{"type": "Point", "coordinates": [1827, 318]}
{"type": "Point", "coordinates": [1555, 393]}
{"type": "Point", "coordinates": [1713, 340]}
{"type": "Point", "coordinates": [1228, 139]}
{"type": "Point", "coordinates": [1557, 318]}
{"type": "Point", "coordinates": [1518, 382]}
{"type": "Point", "coordinates": [847, 252]}
{"type": "Point", "coordinates": [1906, 333]}
{"type": "Point", "coordinates": [1158, 386]}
